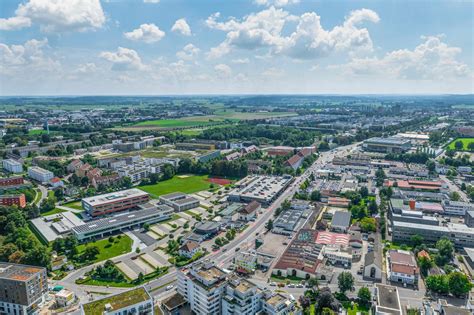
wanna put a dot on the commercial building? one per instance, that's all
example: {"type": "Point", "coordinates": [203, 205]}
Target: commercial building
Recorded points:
{"type": "Point", "coordinates": [22, 288]}
{"type": "Point", "coordinates": [293, 219]}
{"type": "Point", "coordinates": [40, 174]}
{"type": "Point", "coordinates": [56, 225]}
{"type": "Point", "coordinates": [12, 166]}
{"type": "Point", "coordinates": [113, 202]}
{"type": "Point", "coordinates": [457, 207]}
{"type": "Point", "coordinates": [121, 222]}
{"type": "Point", "coordinates": [13, 200]}
{"type": "Point", "coordinates": [179, 201]}
{"type": "Point", "coordinates": [246, 262]}
{"type": "Point", "coordinates": [417, 185]}
{"type": "Point", "coordinates": [387, 145]}
{"type": "Point", "coordinates": [264, 189]}
{"type": "Point", "coordinates": [136, 301]}
{"type": "Point", "coordinates": [249, 212]}
{"type": "Point", "coordinates": [341, 221]}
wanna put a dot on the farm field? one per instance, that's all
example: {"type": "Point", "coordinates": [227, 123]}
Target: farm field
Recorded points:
{"type": "Point", "coordinates": [465, 142]}
{"type": "Point", "coordinates": [189, 184]}
{"type": "Point", "coordinates": [109, 250]}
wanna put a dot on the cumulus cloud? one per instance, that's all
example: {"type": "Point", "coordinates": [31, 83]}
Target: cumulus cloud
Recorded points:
{"type": "Point", "coordinates": [14, 23]}
{"type": "Point", "coordinates": [309, 40]}
{"type": "Point", "coordinates": [21, 60]}
{"type": "Point", "coordinates": [148, 33]}
{"type": "Point", "coordinates": [181, 26]}
{"type": "Point", "coordinates": [123, 59]}
{"type": "Point", "coordinates": [431, 60]}
{"type": "Point", "coordinates": [57, 15]}
{"type": "Point", "coordinates": [151, 1]}
{"type": "Point", "coordinates": [223, 70]}
{"type": "Point", "coordinates": [276, 3]}
{"type": "Point", "coordinates": [189, 52]}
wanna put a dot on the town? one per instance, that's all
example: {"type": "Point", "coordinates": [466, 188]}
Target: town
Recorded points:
{"type": "Point", "coordinates": [222, 205]}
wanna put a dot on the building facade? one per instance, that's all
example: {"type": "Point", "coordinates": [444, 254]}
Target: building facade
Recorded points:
{"type": "Point", "coordinates": [12, 166]}
{"type": "Point", "coordinates": [40, 174]}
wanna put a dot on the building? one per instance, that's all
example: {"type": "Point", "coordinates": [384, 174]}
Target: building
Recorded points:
{"type": "Point", "coordinates": [278, 304]}
{"type": "Point", "coordinates": [40, 174]}
{"type": "Point", "coordinates": [469, 218]}
{"type": "Point", "coordinates": [387, 145]}
{"type": "Point", "coordinates": [457, 207]}
{"type": "Point", "coordinates": [264, 189]}
{"type": "Point", "coordinates": [108, 226]}
{"type": "Point", "coordinates": [402, 267]}
{"type": "Point", "coordinates": [56, 225]}
{"type": "Point", "coordinates": [190, 146]}
{"type": "Point", "coordinates": [136, 301]}
{"type": "Point", "coordinates": [74, 165]}
{"type": "Point", "coordinates": [189, 249]}
{"type": "Point", "coordinates": [203, 286]}
{"type": "Point", "coordinates": [341, 221]}
{"type": "Point", "coordinates": [293, 219]}
{"type": "Point", "coordinates": [241, 297]}
{"type": "Point", "coordinates": [179, 201]}
{"type": "Point", "coordinates": [206, 157]}
{"type": "Point", "coordinates": [22, 288]}
{"type": "Point", "coordinates": [339, 202]}
{"type": "Point", "coordinates": [12, 166]}
{"type": "Point", "coordinates": [11, 182]}
{"type": "Point", "coordinates": [417, 185]}
{"type": "Point", "coordinates": [280, 151]}
{"type": "Point", "coordinates": [387, 300]}
{"type": "Point", "coordinates": [373, 266]}
{"type": "Point", "coordinates": [249, 212]}
{"type": "Point", "coordinates": [64, 298]}
{"type": "Point", "coordinates": [246, 262]}
{"type": "Point", "coordinates": [10, 200]}
{"type": "Point", "coordinates": [113, 202]}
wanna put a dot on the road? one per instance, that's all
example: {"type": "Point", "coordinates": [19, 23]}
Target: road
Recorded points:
{"type": "Point", "coordinates": [44, 194]}
{"type": "Point", "coordinates": [221, 257]}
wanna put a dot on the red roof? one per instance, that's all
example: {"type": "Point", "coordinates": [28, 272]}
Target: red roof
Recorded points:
{"type": "Point", "coordinates": [55, 180]}
{"type": "Point", "coordinates": [294, 159]}
{"type": "Point", "coordinates": [329, 238]}
{"type": "Point", "coordinates": [406, 269]}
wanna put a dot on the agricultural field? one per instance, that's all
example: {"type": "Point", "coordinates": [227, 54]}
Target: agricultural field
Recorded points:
{"type": "Point", "coordinates": [186, 184]}
{"type": "Point", "coordinates": [465, 142]}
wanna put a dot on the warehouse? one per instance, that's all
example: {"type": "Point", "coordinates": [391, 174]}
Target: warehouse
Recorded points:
{"type": "Point", "coordinates": [264, 189]}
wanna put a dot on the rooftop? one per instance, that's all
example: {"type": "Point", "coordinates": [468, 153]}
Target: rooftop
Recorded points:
{"type": "Point", "coordinates": [18, 272]}
{"type": "Point", "coordinates": [115, 196]}
{"type": "Point", "coordinates": [388, 300]}
{"type": "Point", "coordinates": [117, 301]}
{"type": "Point", "coordinates": [341, 218]}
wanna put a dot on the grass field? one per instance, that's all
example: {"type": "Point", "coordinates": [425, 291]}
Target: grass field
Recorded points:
{"type": "Point", "coordinates": [74, 204]}
{"type": "Point", "coordinates": [186, 185]}
{"type": "Point", "coordinates": [54, 211]}
{"type": "Point", "coordinates": [109, 250]}
{"type": "Point", "coordinates": [465, 142]}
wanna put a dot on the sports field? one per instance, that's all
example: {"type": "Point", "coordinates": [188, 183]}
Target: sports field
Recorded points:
{"type": "Point", "coordinates": [184, 184]}
{"type": "Point", "coordinates": [465, 142]}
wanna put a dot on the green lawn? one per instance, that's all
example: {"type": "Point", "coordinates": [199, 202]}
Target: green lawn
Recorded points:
{"type": "Point", "coordinates": [74, 204]}
{"type": "Point", "coordinates": [109, 250]}
{"type": "Point", "coordinates": [186, 185]}
{"type": "Point", "coordinates": [465, 142]}
{"type": "Point", "coordinates": [54, 211]}
{"type": "Point", "coordinates": [352, 310]}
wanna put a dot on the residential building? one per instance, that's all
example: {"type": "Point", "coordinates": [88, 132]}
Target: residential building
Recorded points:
{"type": "Point", "coordinates": [179, 201]}
{"type": "Point", "coordinates": [10, 200]}
{"type": "Point", "coordinates": [136, 301]}
{"type": "Point", "coordinates": [387, 145]}
{"type": "Point", "coordinates": [402, 267]}
{"type": "Point", "coordinates": [341, 221]}
{"type": "Point", "coordinates": [113, 202]}
{"type": "Point", "coordinates": [64, 298]}
{"type": "Point", "coordinates": [12, 166]}
{"type": "Point", "coordinates": [241, 297]}
{"type": "Point", "coordinates": [249, 212]}
{"type": "Point", "coordinates": [206, 157]}
{"type": "Point", "coordinates": [56, 182]}
{"type": "Point", "coordinates": [11, 182]}
{"type": "Point", "coordinates": [189, 249]}
{"type": "Point", "coordinates": [74, 165]}
{"type": "Point", "coordinates": [40, 174]}
{"type": "Point", "coordinates": [23, 288]}
{"type": "Point", "coordinates": [278, 304]}
{"type": "Point", "coordinates": [373, 266]}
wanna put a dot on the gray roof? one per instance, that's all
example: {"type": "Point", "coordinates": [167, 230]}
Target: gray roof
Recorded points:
{"type": "Point", "coordinates": [341, 218]}
{"type": "Point", "coordinates": [372, 258]}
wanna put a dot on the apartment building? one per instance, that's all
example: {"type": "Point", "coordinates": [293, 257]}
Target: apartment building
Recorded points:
{"type": "Point", "coordinates": [40, 174]}
{"type": "Point", "coordinates": [10, 200]}
{"type": "Point", "coordinates": [241, 297]}
{"type": "Point", "coordinates": [11, 182]}
{"type": "Point", "coordinates": [402, 267]}
{"type": "Point", "coordinates": [12, 166]}
{"type": "Point", "coordinates": [23, 288]}
{"type": "Point", "coordinates": [136, 301]}
{"type": "Point", "coordinates": [113, 202]}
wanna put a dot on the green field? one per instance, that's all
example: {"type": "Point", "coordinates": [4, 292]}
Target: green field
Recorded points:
{"type": "Point", "coordinates": [465, 142]}
{"type": "Point", "coordinates": [74, 204]}
{"type": "Point", "coordinates": [186, 185]}
{"type": "Point", "coordinates": [54, 211]}
{"type": "Point", "coordinates": [109, 250]}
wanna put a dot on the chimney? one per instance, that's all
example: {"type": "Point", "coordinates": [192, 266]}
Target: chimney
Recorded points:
{"type": "Point", "coordinates": [412, 204]}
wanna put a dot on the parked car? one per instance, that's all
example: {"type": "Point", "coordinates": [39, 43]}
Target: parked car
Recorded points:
{"type": "Point", "coordinates": [169, 287]}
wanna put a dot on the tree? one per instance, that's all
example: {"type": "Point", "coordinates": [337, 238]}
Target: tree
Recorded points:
{"type": "Point", "coordinates": [127, 182]}
{"type": "Point", "coordinates": [345, 281]}
{"type": "Point", "coordinates": [470, 146]}
{"type": "Point", "coordinates": [269, 225]}
{"type": "Point", "coordinates": [459, 283]}
{"type": "Point", "coordinates": [154, 178]}
{"type": "Point", "coordinates": [416, 240]}
{"type": "Point", "coordinates": [168, 171]}
{"type": "Point", "coordinates": [368, 225]}
{"type": "Point", "coordinates": [437, 283]}
{"type": "Point", "coordinates": [458, 145]}
{"type": "Point", "coordinates": [313, 282]}
{"type": "Point", "coordinates": [373, 208]}
{"type": "Point", "coordinates": [445, 251]}
{"type": "Point", "coordinates": [431, 166]}
{"type": "Point", "coordinates": [325, 299]}
{"type": "Point", "coordinates": [364, 192]}
{"type": "Point", "coordinates": [315, 195]}
{"type": "Point", "coordinates": [364, 296]}
{"type": "Point", "coordinates": [425, 264]}
{"type": "Point", "coordinates": [90, 253]}
{"type": "Point", "coordinates": [455, 196]}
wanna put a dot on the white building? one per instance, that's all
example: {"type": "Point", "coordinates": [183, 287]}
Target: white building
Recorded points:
{"type": "Point", "coordinates": [457, 207]}
{"type": "Point", "coordinates": [64, 298]}
{"type": "Point", "coordinates": [136, 301]}
{"type": "Point", "coordinates": [246, 261]}
{"type": "Point", "coordinates": [241, 297]}
{"type": "Point", "coordinates": [12, 166]}
{"type": "Point", "coordinates": [40, 174]}
{"type": "Point", "coordinates": [277, 304]}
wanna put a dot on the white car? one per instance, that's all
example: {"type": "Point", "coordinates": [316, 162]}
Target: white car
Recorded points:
{"type": "Point", "coordinates": [169, 287]}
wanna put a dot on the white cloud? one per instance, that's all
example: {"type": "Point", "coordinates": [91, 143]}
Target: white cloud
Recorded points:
{"type": "Point", "coordinates": [86, 68]}
{"type": "Point", "coordinates": [189, 52]}
{"type": "Point", "coordinates": [21, 61]}
{"type": "Point", "coordinates": [309, 40]}
{"type": "Point", "coordinates": [431, 60]}
{"type": "Point", "coordinates": [241, 61]}
{"type": "Point", "coordinates": [273, 73]}
{"type": "Point", "coordinates": [124, 59]}
{"type": "Point", "coordinates": [181, 26]}
{"type": "Point", "coordinates": [148, 33]}
{"type": "Point", "coordinates": [276, 3]}
{"type": "Point", "coordinates": [14, 23]}
{"type": "Point", "coordinates": [223, 70]}
{"type": "Point", "coordinates": [57, 15]}
{"type": "Point", "coordinates": [151, 1]}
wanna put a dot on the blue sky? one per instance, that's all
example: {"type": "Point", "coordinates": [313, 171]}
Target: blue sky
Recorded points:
{"type": "Point", "coordinates": [92, 47]}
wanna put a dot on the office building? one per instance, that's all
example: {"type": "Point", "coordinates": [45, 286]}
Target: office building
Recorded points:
{"type": "Point", "coordinates": [12, 166]}
{"type": "Point", "coordinates": [136, 301]}
{"type": "Point", "coordinates": [457, 207]}
{"type": "Point", "coordinates": [22, 288]}
{"type": "Point", "coordinates": [40, 174]}
{"type": "Point", "coordinates": [387, 145]}
{"type": "Point", "coordinates": [179, 201]}
{"type": "Point", "coordinates": [13, 200]}
{"type": "Point", "coordinates": [113, 202]}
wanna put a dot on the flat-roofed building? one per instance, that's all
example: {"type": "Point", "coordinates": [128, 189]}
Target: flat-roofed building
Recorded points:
{"type": "Point", "coordinates": [55, 226]}
{"type": "Point", "coordinates": [136, 301]}
{"type": "Point", "coordinates": [11, 182]}
{"type": "Point", "coordinates": [341, 221]}
{"type": "Point", "coordinates": [12, 166]}
{"type": "Point", "coordinates": [113, 202]}
{"type": "Point", "coordinates": [387, 145]}
{"type": "Point", "coordinates": [457, 207]}
{"type": "Point", "coordinates": [180, 201]}
{"type": "Point", "coordinates": [264, 189]}
{"type": "Point", "coordinates": [276, 304]}
{"type": "Point", "coordinates": [241, 297]}
{"type": "Point", "coordinates": [23, 288]}
{"type": "Point", "coordinates": [13, 200]}
{"type": "Point", "coordinates": [40, 174]}
{"type": "Point", "coordinates": [121, 222]}
{"type": "Point", "coordinates": [387, 300]}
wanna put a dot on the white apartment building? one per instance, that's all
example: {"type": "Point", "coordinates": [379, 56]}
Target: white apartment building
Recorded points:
{"type": "Point", "coordinates": [277, 304]}
{"type": "Point", "coordinates": [241, 297]}
{"type": "Point", "coordinates": [12, 166]}
{"type": "Point", "coordinates": [40, 174]}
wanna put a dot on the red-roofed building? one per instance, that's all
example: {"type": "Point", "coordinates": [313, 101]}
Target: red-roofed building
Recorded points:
{"type": "Point", "coordinates": [415, 185]}
{"type": "Point", "coordinates": [338, 202]}
{"type": "Point", "coordinates": [249, 212]}
{"type": "Point", "coordinates": [402, 267]}
{"type": "Point", "coordinates": [332, 239]}
{"type": "Point", "coordinates": [189, 249]}
{"type": "Point", "coordinates": [56, 182]}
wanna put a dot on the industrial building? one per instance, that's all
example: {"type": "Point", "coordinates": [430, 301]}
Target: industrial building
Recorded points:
{"type": "Point", "coordinates": [179, 201]}
{"type": "Point", "coordinates": [113, 202]}
{"type": "Point", "coordinates": [23, 288]}
{"type": "Point", "coordinates": [387, 145]}
{"type": "Point", "coordinates": [264, 189]}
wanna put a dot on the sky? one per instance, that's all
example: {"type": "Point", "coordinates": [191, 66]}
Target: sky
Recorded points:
{"type": "Point", "coordinates": [163, 47]}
